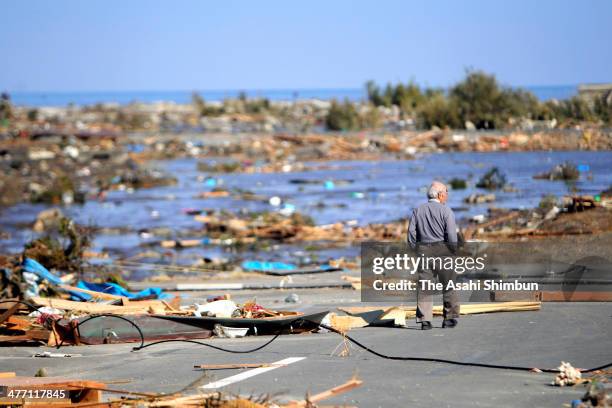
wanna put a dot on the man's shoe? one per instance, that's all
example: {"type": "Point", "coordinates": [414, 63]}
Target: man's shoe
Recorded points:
{"type": "Point", "coordinates": [450, 323]}
{"type": "Point", "coordinates": [426, 326]}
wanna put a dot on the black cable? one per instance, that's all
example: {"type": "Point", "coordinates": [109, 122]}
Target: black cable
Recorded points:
{"type": "Point", "coordinates": [331, 329]}
{"type": "Point", "coordinates": [364, 347]}
{"type": "Point", "coordinates": [376, 353]}
{"type": "Point", "coordinates": [445, 361]}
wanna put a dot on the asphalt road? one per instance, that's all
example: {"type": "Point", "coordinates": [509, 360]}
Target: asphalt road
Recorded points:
{"type": "Point", "coordinates": [580, 333]}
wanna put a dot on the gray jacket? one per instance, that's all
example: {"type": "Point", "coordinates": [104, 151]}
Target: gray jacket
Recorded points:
{"type": "Point", "coordinates": [432, 222]}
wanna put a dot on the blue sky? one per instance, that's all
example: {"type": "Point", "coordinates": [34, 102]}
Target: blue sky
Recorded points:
{"type": "Point", "coordinates": [183, 45]}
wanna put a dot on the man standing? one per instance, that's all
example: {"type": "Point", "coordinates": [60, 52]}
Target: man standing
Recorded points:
{"type": "Point", "coordinates": [433, 233]}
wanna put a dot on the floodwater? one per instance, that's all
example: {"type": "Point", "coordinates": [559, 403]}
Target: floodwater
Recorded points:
{"type": "Point", "coordinates": [363, 192]}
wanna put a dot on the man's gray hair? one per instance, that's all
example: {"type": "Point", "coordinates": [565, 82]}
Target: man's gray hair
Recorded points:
{"type": "Point", "coordinates": [435, 189]}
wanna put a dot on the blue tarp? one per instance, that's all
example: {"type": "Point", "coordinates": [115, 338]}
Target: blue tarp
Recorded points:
{"type": "Point", "coordinates": [262, 266]}
{"type": "Point", "coordinates": [267, 266]}
{"type": "Point", "coordinates": [30, 265]}
{"type": "Point", "coordinates": [114, 289]}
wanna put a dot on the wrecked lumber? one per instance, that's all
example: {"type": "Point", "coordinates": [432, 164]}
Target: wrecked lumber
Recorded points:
{"type": "Point", "coordinates": [78, 391]}
{"type": "Point", "coordinates": [235, 366]}
{"type": "Point", "coordinates": [256, 286]}
{"type": "Point", "coordinates": [576, 296]}
{"type": "Point", "coordinates": [470, 231]}
{"type": "Point", "coordinates": [87, 307]}
{"type": "Point", "coordinates": [91, 396]}
{"type": "Point", "coordinates": [93, 293]}
{"type": "Point", "coordinates": [311, 400]}
{"type": "Point", "coordinates": [466, 309]}
{"type": "Point", "coordinates": [11, 311]}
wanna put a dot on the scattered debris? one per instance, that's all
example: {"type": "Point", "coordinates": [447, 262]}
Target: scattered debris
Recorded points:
{"type": "Point", "coordinates": [478, 198]}
{"type": "Point", "coordinates": [568, 375]}
{"type": "Point", "coordinates": [493, 179]}
{"type": "Point", "coordinates": [570, 215]}
{"type": "Point", "coordinates": [458, 184]}
{"type": "Point", "coordinates": [48, 354]}
{"type": "Point", "coordinates": [65, 390]}
{"type": "Point", "coordinates": [397, 315]}
{"type": "Point", "coordinates": [230, 332]}
{"type": "Point", "coordinates": [47, 219]}
{"type": "Point", "coordinates": [566, 171]}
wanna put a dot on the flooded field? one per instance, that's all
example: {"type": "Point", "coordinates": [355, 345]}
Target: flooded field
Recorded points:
{"type": "Point", "coordinates": [354, 192]}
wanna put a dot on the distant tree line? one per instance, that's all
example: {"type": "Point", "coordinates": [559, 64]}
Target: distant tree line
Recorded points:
{"type": "Point", "coordinates": [478, 100]}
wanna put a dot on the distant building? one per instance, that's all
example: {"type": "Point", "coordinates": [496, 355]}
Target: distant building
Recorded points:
{"type": "Point", "coordinates": [592, 92]}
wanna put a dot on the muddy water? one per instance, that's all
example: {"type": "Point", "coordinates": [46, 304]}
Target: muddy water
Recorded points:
{"type": "Point", "coordinates": [364, 192]}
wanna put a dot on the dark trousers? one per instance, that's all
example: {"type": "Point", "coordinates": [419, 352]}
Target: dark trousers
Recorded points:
{"type": "Point", "coordinates": [450, 298]}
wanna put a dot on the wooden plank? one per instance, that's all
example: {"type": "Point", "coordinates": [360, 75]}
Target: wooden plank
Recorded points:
{"type": "Point", "coordinates": [224, 382]}
{"type": "Point", "coordinates": [38, 334]}
{"type": "Point", "coordinates": [512, 295]}
{"type": "Point", "coordinates": [175, 302]}
{"type": "Point", "coordinates": [18, 323]}
{"type": "Point", "coordinates": [178, 401]}
{"type": "Point", "coordinates": [374, 317]}
{"type": "Point", "coordinates": [30, 335]}
{"type": "Point", "coordinates": [346, 323]}
{"type": "Point", "coordinates": [349, 385]}
{"type": "Point", "coordinates": [14, 339]}
{"type": "Point", "coordinates": [89, 391]}
{"type": "Point", "coordinates": [100, 295]}
{"type": "Point", "coordinates": [88, 307]}
{"type": "Point", "coordinates": [7, 374]}
{"type": "Point", "coordinates": [145, 304]}
{"type": "Point", "coordinates": [577, 296]}
{"type": "Point", "coordinates": [169, 306]}
{"type": "Point", "coordinates": [52, 382]}
{"type": "Point", "coordinates": [125, 392]}
{"type": "Point", "coordinates": [158, 308]}
{"type": "Point", "coordinates": [235, 366]}
{"type": "Point", "coordinates": [470, 308]}
{"type": "Point", "coordinates": [11, 311]}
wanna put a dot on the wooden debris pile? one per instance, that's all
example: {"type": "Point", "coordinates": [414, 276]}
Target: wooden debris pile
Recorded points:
{"type": "Point", "coordinates": [56, 320]}
{"type": "Point", "coordinates": [60, 321]}
{"type": "Point", "coordinates": [64, 392]}
{"type": "Point", "coordinates": [220, 400]}
{"type": "Point", "coordinates": [571, 215]}
{"type": "Point", "coordinates": [291, 228]}
{"type": "Point", "coordinates": [50, 391]}
{"type": "Point", "coordinates": [362, 316]}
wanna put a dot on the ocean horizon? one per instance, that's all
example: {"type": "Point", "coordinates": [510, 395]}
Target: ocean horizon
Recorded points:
{"type": "Point", "coordinates": [83, 98]}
